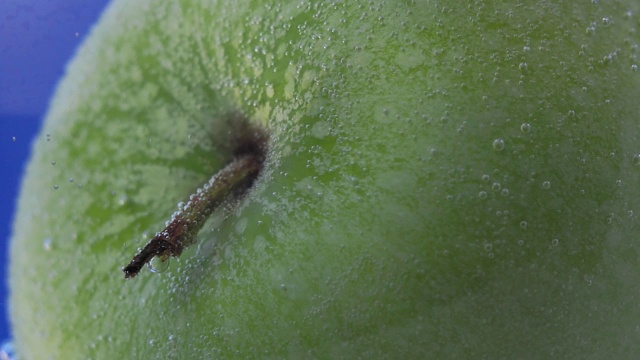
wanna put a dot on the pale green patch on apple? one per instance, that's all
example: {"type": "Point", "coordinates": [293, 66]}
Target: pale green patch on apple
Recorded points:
{"type": "Point", "coordinates": [445, 179]}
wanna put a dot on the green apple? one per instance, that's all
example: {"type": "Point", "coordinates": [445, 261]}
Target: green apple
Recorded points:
{"type": "Point", "coordinates": [444, 179]}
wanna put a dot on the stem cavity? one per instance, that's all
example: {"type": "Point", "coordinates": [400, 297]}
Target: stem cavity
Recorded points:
{"type": "Point", "coordinates": [248, 146]}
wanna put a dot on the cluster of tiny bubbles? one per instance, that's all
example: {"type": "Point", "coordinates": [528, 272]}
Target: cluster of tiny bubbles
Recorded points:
{"type": "Point", "coordinates": [7, 352]}
{"type": "Point", "coordinates": [525, 128]}
{"type": "Point", "coordinates": [498, 144]}
{"type": "Point", "coordinates": [158, 265]}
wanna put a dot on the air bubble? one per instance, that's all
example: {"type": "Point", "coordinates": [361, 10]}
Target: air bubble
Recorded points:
{"type": "Point", "coordinates": [525, 128]}
{"type": "Point", "coordinates": [7, 351]}
{"type": "Point", "coordinates": [555, 242]}
{"type": "Point", "coordinates": [505, 192]}
{"type": "Point", "coordinates": [241, 225]}
{"type": "Point", "coordinates": [636, 159]}
{"type": "Point", "coordinates": [486, 178]}
{"type": "Point", "coordinates": [546, 184]}
{"type": "Point", "coordinates": [523, 66]}
{"type": "Point", "coordinates": [488, 247]}
{"type": "Point", "coordinates": [47, 244]}
{"type": "Point", "coordinates": [498, 144]}
{"type": "Point", "coordinates": [482, 194]}
{"type": "Point", "coordinates": [523, 224]}
{"type": "Point", "coordinates": [55, 186]}
{"type": "Point", "coordinates": [634, 67]}
{"type": "Point", "coordinates": [158, 265]}
{"type": "Point", "coordinates": [495, 186]}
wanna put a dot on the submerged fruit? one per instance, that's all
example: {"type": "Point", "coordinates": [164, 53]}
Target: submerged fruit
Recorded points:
{"type": "Point", "coordinates": [444, 179]}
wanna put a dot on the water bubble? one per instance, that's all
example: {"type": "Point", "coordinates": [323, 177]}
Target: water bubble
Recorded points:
{"type": "Point", "coordinates": [505, 192]}
{"type": "Point", "coordinates": [590, 30]}
{"type": "Point", "coordinates": [523, 66]}
{"type": "Point", "coordinates": [46, 244]}
{"type": "Point", "coordinates": [53, 162]}
{"type": "Point", "coordinates": [525, 128]}
{"type": "Point", "coordinates": [482, 194]}
{"type": "Point", "coordinates": [495, 186]}
{"type": "Point", "coordinates": [7, 351]}
{"type": "Point", "coordinates": [606, 21]}
{"type": "Point", "coordinates": [158, 264]}
{"type": "Point", "coordinates": [55, 186]}
{"type": "Point", "coordinates": [634, 67]}
{"type": "Point", "coordinates": [498, 144]}
{"type": "Point", "coordinates": [555, 242]}
{"type": "Point", "coordinates": [488, 247]}
{"type": "Point", "coordinates": [546, 184]}
{"type": "Point", "coordinates": [486, 178]}
{"type": "Point", "coordinates": [523, 224]}
{"type": "Point", "coordinates": [636, 159]}
{"type": "Point", "coordinates": [241, 225]}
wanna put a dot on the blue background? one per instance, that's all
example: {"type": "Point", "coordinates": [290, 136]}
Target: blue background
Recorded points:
{"type": "Point", "coordinates": [37, 39]}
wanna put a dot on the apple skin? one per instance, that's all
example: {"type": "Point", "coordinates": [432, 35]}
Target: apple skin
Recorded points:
{"type": "Point", "coordinates": [446, 179]}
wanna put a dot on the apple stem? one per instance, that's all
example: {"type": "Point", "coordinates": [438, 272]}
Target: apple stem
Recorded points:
{"type": "Point", "coordinates": [232, 181]}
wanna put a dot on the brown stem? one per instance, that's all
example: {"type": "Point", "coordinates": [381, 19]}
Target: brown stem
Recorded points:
{"type": "Point", "coordinates": [233, 180]}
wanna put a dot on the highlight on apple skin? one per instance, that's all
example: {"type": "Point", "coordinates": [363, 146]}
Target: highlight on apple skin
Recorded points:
{"type": "Point", "coordinates": [444, 179]}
